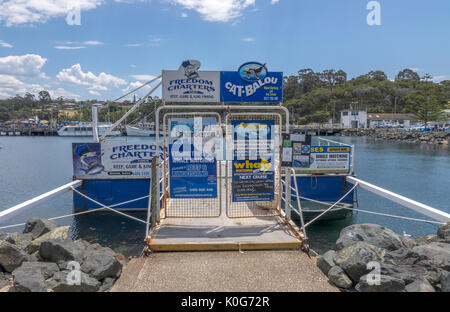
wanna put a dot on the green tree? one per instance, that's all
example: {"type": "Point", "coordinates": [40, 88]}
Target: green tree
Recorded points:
{"type": "Point", "coordinates": [44, 97]}
{"type": "Point", "coordinates": [408, 75]}
{"type": "Point", "coordinates": [429, 110]}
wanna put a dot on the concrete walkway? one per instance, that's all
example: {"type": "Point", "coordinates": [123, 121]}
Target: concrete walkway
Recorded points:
{"type": "Point", "coordinates": [229, 271]}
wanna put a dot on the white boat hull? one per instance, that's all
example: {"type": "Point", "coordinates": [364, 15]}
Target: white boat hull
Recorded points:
{"type": "Point", "coordinates": [83, 131]}
{"type": "Point", "coordinates": [135, 131]}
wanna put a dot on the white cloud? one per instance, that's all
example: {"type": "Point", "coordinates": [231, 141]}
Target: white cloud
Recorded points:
{"type": "Point", "coordinates": [69, 47]}
{"type": "Point", "coordinates": [17, 12]}
{"type": "Point", "coordinates": [216, 10]}
{"type": "Point", "coordinates": [184, 15]}
{"type": "Point", "coordinates": [248, 39]}
{"type": "Point", "coordinates": [10, 86]}
{"type": "Point", "coordinates": [5, 44]}
{"type": "Point", "coordinates": [22, 65]}
{"type": "Point", "coordinates": [133, 45]}
{"type": "Point", "coordinates": [143, 77]}
{"type": "Point", "coordinates": [94, 92]}
{"type": "Point", "coordinates": [441, 78]}
{"type": "Point", "coordinates": [133, 65]}
{"type": "Point", "coordinates": [61, 92]}
{"type": "Point", "coordinates": [274, 1]}
{"type": "Point", "coordinates": [100, 82]}
{"type": "Point", "coordinates": [131, 1]}
{"type": "Point", "coordinates": [93, 42]}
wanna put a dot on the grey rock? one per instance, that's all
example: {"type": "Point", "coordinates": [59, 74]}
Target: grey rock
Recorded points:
{"type": "Point", "coordinates": [445, 281]}
{"type": "Point", "coordinates": [373, 234]}
{"type": "Point", "coordinates": [325, 262]}
{"type": "Point", "coordinates": [403, 256]}
{"type": "Point", "coordinates": [61, 233]}
{"type": "Point", "coordinates": [61, 282]}
{"type": "Point", "coordinates": [56, 250]}
{"type": "Point", "coordinates": [409, 273]}
{"type": "Point", "coordinates": [386, 284]}
{"type": "Point", "coordinates": [82, 243]}
{"type": "Point", "coordinates": [28, 279]}
{"type": "Point", "coordinates": [101, 265]}
{"type": "Point", "coordinates": [11, 256]}
{"type": "Point", "coordinates": [3, 235]}
{"type": "Point", "coordinates": [444, 232]}
{"type": "Point", "coordinates": [438, 253]}
{"type": "Point", "coordinates": [48, 269]}
{"type": "Point", "coordinates": [3, 280]}
{"type": "Point", "coordinates": [38, 227]}
{"type": "Point", "coordinates": [107, 284]}
{"type": "Point", "coordinates": [408, 242]}
{"type": "Point", "coordinates": [98, 248]}
{"type": "Point", "coordinates": [20, 240]}
{"type": "Point", "coordinates": [424, 240]}
{"type": "Point", "coordinates": [420, 285]}
{"type": "Point", "coordinates": [338, 277]}
{"type": "Point", "coordinates": [354, 259]}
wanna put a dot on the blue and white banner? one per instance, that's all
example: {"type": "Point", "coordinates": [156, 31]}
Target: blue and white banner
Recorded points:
{"type": "Point", "coordinates": [192, 157]}
{"type": "Point", "coordinates": [321, 159]}
{"type": "Point", "coordinates": [251, 83]}
{"type": "Point", "coordinates": [113, 160]}
{"type": "Point", "coordinates": [253, 161]}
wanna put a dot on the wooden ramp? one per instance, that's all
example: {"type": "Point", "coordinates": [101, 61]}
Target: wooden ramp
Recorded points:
{"type": "Point", "coordinates": [224, 271]}
{"type": "Point", "coordinates": [222, 233]}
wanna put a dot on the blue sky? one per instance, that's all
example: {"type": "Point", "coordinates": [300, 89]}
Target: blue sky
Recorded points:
{"type": "Point", "coordinates": [122, 43]}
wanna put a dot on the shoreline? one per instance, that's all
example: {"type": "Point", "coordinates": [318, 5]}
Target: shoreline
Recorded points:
{"type": "Point", "coordinates": [429, 137]}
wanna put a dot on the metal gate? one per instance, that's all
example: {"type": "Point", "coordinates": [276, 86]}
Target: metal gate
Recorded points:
{"type": "Point", "coordinates": [256, 208]}
{"type": "Point", "coordinates": [213, 207]}
{"type": "Point", "coordinates": [190, 207]}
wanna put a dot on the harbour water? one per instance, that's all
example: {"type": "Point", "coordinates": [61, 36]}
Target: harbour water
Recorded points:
{"type": "Point", "coordinates": [30, 166]}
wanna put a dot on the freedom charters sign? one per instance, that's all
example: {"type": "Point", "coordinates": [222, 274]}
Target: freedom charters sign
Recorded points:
{"type": "Point", "coordinates": [188, 84]}
{"type": "Point", "coordinates": [252, 83]}
{"type": "Point", "coordinates": [113, 160]}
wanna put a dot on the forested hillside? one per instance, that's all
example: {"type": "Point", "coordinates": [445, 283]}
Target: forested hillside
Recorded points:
{"type": "Point", "coordinates": [319, 96]}
{"type": "Point", "coordinates": [310, 96]}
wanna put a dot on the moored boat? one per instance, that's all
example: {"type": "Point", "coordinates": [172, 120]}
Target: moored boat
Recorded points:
{"type": "Point", "coordinates": [85, 130]}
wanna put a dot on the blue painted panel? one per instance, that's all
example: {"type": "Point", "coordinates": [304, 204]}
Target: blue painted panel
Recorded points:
{"type": "Point", "coordinates": [110, 192]}
{"type": "Point", "coordinates": [324, 188]}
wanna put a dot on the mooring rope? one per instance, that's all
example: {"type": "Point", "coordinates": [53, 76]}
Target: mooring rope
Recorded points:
{"type": "Point", "coordinates": [106, 207]}
{"type": "Point", "coordinates": [395, 216]}
{"type": "Point", "coordinates": [79, 213]}
{"type": "Point", "coordinates": [331, 207]}
{"type": "Point", "coordinates": [366, 211]}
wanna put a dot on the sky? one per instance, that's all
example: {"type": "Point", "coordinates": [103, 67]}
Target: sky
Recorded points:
{"type": "Point", "coordinates": [100, 49]}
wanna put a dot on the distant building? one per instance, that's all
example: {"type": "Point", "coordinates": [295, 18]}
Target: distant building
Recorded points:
{"type": "Point", "coordinates": [69, 104]}
{"type": "Point", "coordinates": [353, 119]}
{"type": "Point", "coordinates": [391, 120]}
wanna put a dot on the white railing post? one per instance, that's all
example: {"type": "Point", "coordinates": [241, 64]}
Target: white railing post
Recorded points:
{"type": "Point", "coordinates": [287, 187]}
{"type": "Point", "coordinates": [95, 122]}
{"type": "Point", "coordinates": [302, 222]}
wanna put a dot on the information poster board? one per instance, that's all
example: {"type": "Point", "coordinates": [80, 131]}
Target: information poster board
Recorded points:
{"type": "Point", "coordinates": [113, 160]}
{"type": "Point", "coordinates": [253, 170]}
{"type": "Point", "coordinates": [192, 161]}
{"type": "Point", "coordinates": [321, 159]}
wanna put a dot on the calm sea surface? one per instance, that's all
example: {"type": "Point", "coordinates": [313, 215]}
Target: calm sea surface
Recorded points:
{"type": "Point", "coordinates": [30, 166]}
